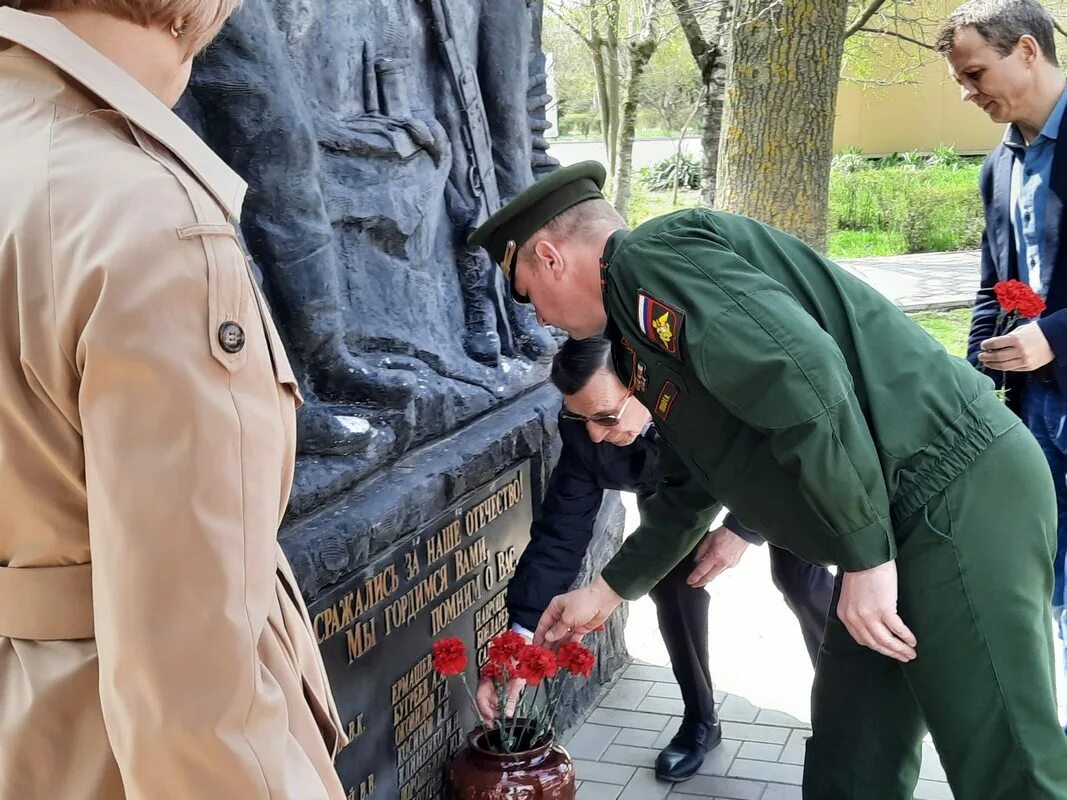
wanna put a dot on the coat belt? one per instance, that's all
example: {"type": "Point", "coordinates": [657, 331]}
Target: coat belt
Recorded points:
{"type": "Point", "coordinates": [47, 603]}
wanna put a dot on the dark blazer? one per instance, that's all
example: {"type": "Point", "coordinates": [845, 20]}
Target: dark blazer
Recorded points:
{"type": "Point", "coordinates": [563, 529]}
{"type": "Point", "coordinates": [999, 258]}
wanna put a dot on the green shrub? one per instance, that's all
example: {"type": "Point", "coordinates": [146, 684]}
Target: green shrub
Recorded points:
{"type": "Point", "coordinates": [944, 155]}
{"type": "Point", "coordinates": [913, 160]}
{"type": "Point", "coordinates": [580, 123]}
{"type": "Point", "coordinates": [931, 209]}
{"type": "Point", "coordinates": [851, 159]}
{"type": "Point", "coordinates": [645, 203]}
{"type": "Point", "coordinates": [659, 177]}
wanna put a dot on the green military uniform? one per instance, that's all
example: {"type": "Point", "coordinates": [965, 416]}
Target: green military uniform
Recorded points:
{"type": "Point", "coordinates": [827, 420]}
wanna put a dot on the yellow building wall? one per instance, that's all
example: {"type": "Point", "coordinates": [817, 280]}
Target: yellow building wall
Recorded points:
{"type": "Point", "coordinates": [925, 110]}
{"type": "Point", "coordinates": [912, 116]}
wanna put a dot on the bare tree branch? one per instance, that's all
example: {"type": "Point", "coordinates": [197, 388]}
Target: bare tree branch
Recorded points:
{"type": "Point", "coordinates": [906, 38]}
{"type": "Point", "coordinates": [864, 18]}
{"type": "Point", "coordinates": [586, 40]}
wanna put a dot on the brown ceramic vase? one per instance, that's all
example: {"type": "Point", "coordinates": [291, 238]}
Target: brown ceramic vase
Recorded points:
{"type": "Point", "coordinates": [545, 772]}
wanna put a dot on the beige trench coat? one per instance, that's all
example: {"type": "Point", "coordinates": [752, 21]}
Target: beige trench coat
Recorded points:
{"type": "Point", "coordinates": [153, 643]}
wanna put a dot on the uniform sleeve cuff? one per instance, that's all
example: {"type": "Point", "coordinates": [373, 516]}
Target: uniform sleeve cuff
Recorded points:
{"type": "Point", "coordinates": [867, 547]}
{"type": "Point", "coordinates": [734, 524]}
{"type": "Point", "coordinates": [627, 584]}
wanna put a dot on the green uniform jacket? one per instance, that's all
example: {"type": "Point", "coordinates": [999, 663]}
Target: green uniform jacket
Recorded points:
{"type": "Point", "coordinates": [785, 388]}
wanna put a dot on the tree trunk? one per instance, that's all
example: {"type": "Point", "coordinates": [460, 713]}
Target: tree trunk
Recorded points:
{"type": "Point", "coordinates": [612, 77]}
{"type": "Point", "coordinates": [709, 52]}
{"type": "Point", "coordinates": [778, 124]}
{"type": "Point", "coordinates": [601, 89]}
{"type": "Point", "coordinates": [714, 93]}
{"type": "Point", "coordinates": [678, 152]}
{"type": "Point", "coordinates": [640, 54]}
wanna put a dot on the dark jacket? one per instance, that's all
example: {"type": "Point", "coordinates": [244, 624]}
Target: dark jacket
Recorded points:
{"type": "Point", "coordinates": [560, 535]}
{"type": "Point", "coordinates": [999, 259]}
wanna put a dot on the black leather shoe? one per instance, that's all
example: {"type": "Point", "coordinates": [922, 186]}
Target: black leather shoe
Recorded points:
{"type": "Point", "coordinates": [680, 760]}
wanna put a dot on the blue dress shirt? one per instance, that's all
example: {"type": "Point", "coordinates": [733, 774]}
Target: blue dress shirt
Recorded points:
{"type": "Point", "coordinates": [1030, 176]}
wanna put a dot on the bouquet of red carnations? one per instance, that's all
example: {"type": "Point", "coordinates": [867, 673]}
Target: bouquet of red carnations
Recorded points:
{"type": "Point", "coordinates": [509, 658]}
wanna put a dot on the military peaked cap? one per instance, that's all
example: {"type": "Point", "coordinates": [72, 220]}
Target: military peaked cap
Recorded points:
{"type": "Point", "coordinates": [510, 227]}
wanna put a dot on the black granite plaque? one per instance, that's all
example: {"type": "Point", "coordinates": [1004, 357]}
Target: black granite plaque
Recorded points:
{"type": "Point", "coordinates": [376, 630]}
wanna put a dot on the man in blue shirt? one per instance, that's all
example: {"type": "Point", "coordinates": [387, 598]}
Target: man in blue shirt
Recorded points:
{"type": "Point", "coordinates": [1003, 55]}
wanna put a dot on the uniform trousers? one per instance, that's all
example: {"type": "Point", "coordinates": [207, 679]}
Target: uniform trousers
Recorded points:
{"type": "Point", "coordinates": [975, 576]}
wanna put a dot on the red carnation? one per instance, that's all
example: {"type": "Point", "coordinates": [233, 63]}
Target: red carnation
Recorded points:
{"type": "Point", "coordinates": [492, 672]}
{"type": "Point", "coordinates": [504, 649]}
{"type": "Point", "coordinates": [449, 656]}
{"type": "Point", "coordinates": [576, 658]}
{"type": "Point", "coordinates": [535, 664]}
{"type": "Point", "coordinates": [1018, 297]}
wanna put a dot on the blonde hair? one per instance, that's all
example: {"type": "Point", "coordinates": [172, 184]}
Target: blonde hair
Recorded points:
{"type": "Point", "coordinates": [201, 19]}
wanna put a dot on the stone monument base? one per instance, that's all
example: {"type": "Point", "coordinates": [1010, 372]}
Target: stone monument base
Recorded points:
{"type": "Point", "coordinates": [421, 552]}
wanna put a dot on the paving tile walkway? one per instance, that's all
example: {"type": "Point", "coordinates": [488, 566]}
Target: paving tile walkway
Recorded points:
{"type": "Point", "coordinates": [761, 756]}
{"type": "Point", "coordinates": [922, 281]}
{"type": "Point", "coordinates": [759, 664]}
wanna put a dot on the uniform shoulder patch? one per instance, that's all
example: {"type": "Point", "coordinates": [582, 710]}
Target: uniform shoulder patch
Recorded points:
{"type": "Point", "coordinates": [660, 323]}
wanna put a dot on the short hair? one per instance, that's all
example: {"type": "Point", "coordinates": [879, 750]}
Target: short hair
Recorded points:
{"type": "Point", "coordinates": [203, 19]}
{"type": "Point", "coordinates": [576, 221]}
{"type": "Point", "coordinates": [1001, 23]}
{"type": "Point", "coordinates": [577, 361]}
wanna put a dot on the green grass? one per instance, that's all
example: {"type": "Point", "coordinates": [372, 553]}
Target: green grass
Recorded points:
{"type": "Point", "coordinates": [860, 244]}
{"type": "Point", "coordinates": [877, 212]}
{"type": "Point", "coordinates": [907, 210]}
{"type": "Point", "coordinates": [645, 204]}
{"type": "Point", "coordinates": [948, 327]}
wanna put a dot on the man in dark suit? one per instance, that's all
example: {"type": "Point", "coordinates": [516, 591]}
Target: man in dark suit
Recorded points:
{"type": "Point", "coordinates": [619, 451]}
{"type": "Point", "coordinates": [1004, 57]}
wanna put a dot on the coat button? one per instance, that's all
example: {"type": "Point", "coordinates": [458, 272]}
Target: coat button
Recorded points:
{"type": "Point", "coordinates": [231, 337]}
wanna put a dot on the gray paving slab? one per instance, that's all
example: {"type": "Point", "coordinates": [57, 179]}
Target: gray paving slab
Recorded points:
{"type": "Point", "coordinates": [590, 741]}
{"type": "Point", "coordinates": [932, 790]}
{"type": "Point", "coordinates": [601, 772]}
{"type": "Point", "coordinates": [715, 786]}
{"type": "Point", "coordinates": [630, 756]}
{"type": "Point", "coordinates": [615, 749]}
{"type": "Point", "coordinates": [738, 709]}
{"type": "Point", "coordinates": [760, 751]}
{"type": "Point", "coordinates": [629, 719]}
{"type": "Point", "coordinates": [719, 760]}
{"type": "Point", "coordinates": [636, 738]}
{"type": "Point", "coordinates": [778, 791]}
{"type": "Point", "coordinates": [662, 705]}
{"type": "Point", "coordinates": [665, 690]}
{"type": "Point", "coordinates": [598, 791]}
{"type": "Point", "coordinates": [921, 281]}
{"type": "Point", "coordinates": [645, 786]}
{"type": "Point", "coordinates": [766, 771]}
{"type": "Point", "coordinates": [626, 694]}
{"type": "Point", "coordinates": [649, 672]}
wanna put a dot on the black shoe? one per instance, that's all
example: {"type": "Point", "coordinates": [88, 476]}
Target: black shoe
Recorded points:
{"type": "Point", "coordinates": [681, 759]}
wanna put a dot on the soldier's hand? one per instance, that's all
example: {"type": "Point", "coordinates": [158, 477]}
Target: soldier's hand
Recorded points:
{"type": "Point", "coordinates": [573, 615]}
{"type": "Point", "coordinates": [868, 609]}
{"type": "Point", "coordinates": [1023, 350]}
{"type": "Point", "coordinates": [720, 550]}
{"type": "Point", "coordinates": [488, 701]}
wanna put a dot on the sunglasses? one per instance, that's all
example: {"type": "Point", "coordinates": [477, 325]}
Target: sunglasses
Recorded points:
{"type": "Point", "coordinates": [606, 420]}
